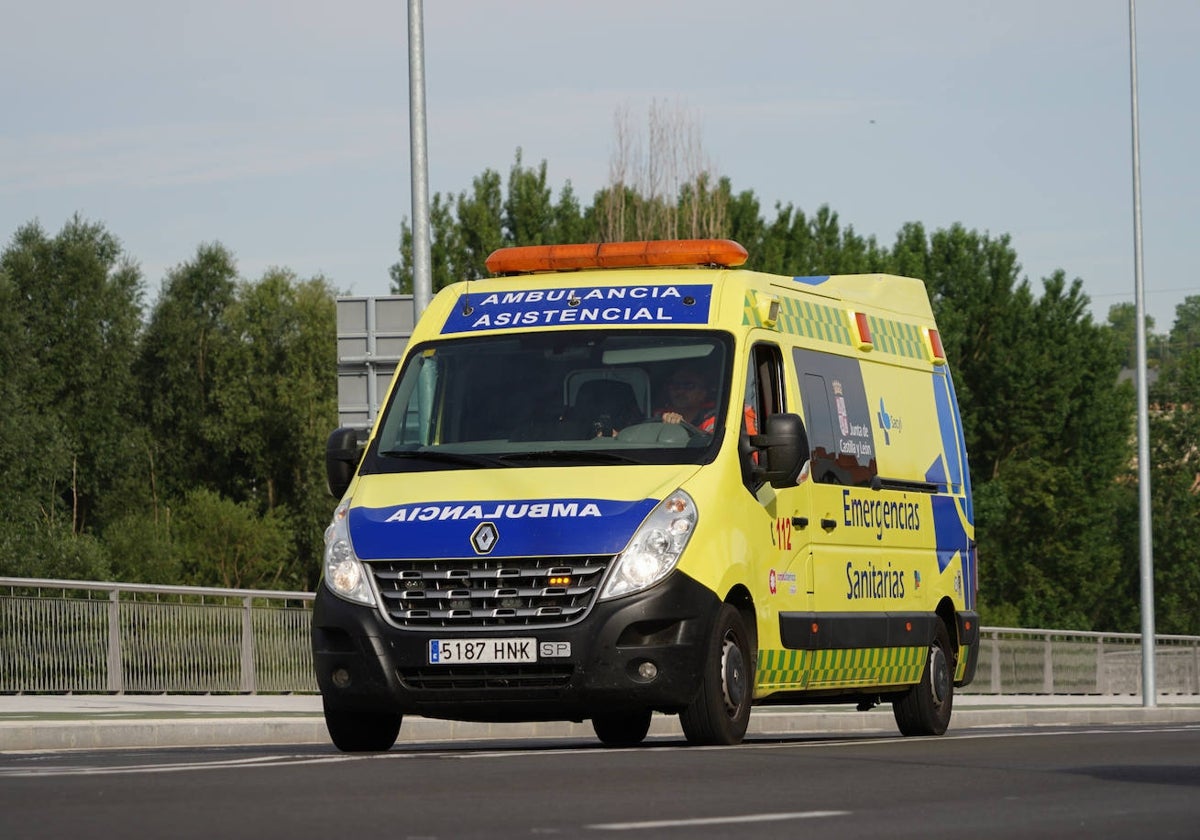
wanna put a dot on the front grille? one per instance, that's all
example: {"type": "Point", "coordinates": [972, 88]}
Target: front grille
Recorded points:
{"type": "Point", "coordinates": [486, 677]}
{"type": "Point", "coordinates": [487, 592]}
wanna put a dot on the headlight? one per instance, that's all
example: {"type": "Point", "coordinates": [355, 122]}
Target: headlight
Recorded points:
{"type": "Point", "coordinates": [345, 575]}
{"type": "Point", "coordinates": [655, 547]}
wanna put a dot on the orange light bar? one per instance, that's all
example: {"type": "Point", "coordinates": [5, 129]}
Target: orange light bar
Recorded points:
{"type": "Point", "coordinates": [664, 252]}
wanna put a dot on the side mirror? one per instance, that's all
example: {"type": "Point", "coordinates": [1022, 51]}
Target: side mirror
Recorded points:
{"type": "Point", "coordinates": [784, 448]}
{"type": "Point", "coordinates": [342, 454]}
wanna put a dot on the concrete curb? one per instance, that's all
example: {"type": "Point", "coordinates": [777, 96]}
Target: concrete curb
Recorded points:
{"type": "Point", "coordinates": [37, 734]}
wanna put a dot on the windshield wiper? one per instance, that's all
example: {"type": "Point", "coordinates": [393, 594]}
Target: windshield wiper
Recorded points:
{"type": "Point", "coordinates": [462, 459]}
{"type": "Point", "coordinates": [578, 456]}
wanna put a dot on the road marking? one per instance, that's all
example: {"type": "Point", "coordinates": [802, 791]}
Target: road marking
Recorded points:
{"type": "Point", "coordinates": [780, 742]}
{"type": "Point", "coordinates": [183, 767]}
{"type": "Point", "coordinates": [701, 821]}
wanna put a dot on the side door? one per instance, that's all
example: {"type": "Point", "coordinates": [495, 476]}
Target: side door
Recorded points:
{"type": "Point", "coordinates": [783, 572]}
{"type": "Point", "coordinates": [863, 630]}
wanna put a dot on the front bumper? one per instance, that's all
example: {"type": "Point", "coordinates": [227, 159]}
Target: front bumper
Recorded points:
{"type": "Point", "coordinates": [364, 663]}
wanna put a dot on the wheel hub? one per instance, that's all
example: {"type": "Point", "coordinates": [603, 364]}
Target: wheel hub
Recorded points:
{"type": "Point", "coordinates": [939, 675]}
{"type": "Point", "coordinates": [733, 675]}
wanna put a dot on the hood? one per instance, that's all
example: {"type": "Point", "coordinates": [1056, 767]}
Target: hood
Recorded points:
{"type": "Point", "coordinates": [529, 512]}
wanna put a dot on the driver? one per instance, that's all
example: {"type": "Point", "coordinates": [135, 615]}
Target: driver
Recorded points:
{"type": "Point", "coordinates": [689, 399]}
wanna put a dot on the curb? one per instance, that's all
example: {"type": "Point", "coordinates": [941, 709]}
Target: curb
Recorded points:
{"type": "Point", "coordinates": [299, 730]}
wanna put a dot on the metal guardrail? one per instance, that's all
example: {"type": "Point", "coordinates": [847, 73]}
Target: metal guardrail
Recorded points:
{"type": "Point", "coordinates": [59, 636]}
{"type": "Point", "coordinates": [92, 637]}
{"type": "Point", "coordinates": [1022, 661]}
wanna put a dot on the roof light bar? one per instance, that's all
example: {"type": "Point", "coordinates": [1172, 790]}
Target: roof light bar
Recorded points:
{"type": "Point", "coordinates": [664, 252]}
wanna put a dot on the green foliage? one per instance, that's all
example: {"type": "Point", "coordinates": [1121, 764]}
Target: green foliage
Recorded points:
{"type": "Point", "coordinates": [72, 335]}
{"type": "Point", "coordinates": [38, 549]}
{"type": "Point", "coordinates": [1175, 490]}
{"type": "Point", "coordinates": [465, 229]}
{"type": "Point", "coordinates": [226, 543]}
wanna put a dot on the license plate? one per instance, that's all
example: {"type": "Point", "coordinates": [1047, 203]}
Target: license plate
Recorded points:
{"type": "Point", "coordinates": [481, 651]}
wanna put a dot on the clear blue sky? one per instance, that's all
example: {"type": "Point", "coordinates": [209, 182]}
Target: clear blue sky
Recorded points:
{"type": "Point", "coordinates": [280, 127]}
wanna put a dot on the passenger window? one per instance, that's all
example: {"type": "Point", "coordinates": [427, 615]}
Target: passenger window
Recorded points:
{"type": "Point", "coordinates": [764, 391]}
{"type": "Point", "coordinates": [763, 397]}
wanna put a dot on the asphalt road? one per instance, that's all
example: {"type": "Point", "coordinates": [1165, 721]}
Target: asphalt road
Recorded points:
{"type": "Point", "coordinates": [1115, 781]}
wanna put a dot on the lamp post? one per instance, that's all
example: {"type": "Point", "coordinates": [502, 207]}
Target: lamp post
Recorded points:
{"type": "Point", "coordinates": [1146, 551]}
{"type": "Point", "coordinates": [419, 157]}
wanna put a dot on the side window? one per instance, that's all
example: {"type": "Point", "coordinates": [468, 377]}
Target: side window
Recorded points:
{"type": "Point", "coordinates": [839, 418]}
{"type": "Point", "coordinates": [764, 391]}
{"type": "Point", "coordinates": [763, 397]}
{"type": "Point", "coordinates": [818, 413]}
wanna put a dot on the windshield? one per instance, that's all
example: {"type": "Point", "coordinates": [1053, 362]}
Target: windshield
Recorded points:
{"type": "Point", "coordinates": [556, 398]}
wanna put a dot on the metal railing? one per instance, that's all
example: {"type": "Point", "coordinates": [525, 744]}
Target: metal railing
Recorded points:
{"type": "Point", "coordinates": [89, 637]}
{"type": "Point", "coordinates": [1022, 661]}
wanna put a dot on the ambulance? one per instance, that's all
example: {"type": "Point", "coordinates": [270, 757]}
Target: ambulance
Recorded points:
{"type": "Point", "coordinates": [531, 533]}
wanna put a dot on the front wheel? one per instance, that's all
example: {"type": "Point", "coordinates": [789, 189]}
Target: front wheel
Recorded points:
{"type": "Point", "coordinates": [353, 731]}
{"type": "Point", "coordinates": [622, 729]}
{"type": "Point", "coordinates": [720, 711]}
{"type": "Point", "coordinates": [925, 708]}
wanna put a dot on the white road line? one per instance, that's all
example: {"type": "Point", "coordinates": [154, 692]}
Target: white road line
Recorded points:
{"type": "Point", "coordinates": [742, 818]}
{"type": "Point", "coordinates": [581, 751]}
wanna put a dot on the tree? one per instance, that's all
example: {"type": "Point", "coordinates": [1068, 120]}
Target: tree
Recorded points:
{"type": "Point", "coordinates": [465, 231]}
{"type": "Point", "coordinates": [76, 317]}
{"type": "Point", "coordinates": [227, 544]}
{"type": "Point", "coordinates": [178, 371]}
{"type": "Point", "coordinates": [1122, 319]}
{"type": "Point", "coordinates": [661, 185]}
{"type": "Point", "coordinates": [276, 398]}
{"type": "Point", "coordinates": [1175, 481]}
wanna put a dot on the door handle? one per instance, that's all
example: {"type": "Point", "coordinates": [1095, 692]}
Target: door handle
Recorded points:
{"type": "Point", "coordinates": [828, 524]}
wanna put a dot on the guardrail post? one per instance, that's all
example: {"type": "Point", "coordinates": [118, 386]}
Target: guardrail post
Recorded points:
{"type": "Point", "coordinates": [1196, 669]}
{"type": "Point", "coordinates": [1048, 666]}
{"type": "Point", "coordinates": [249, 675]}
{"type": "Point", "coordinates": [995, 674]}
{"type": "Point", "coordinates": [1101, 671]}
{"type": "Point", "coordinates": [116, 674]}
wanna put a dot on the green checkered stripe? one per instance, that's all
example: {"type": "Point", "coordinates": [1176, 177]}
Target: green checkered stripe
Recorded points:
{"type": "Point", "coordinates": [963, 655]}
{"type": "Point", "coordinates": [803, 317]}
{"type": "Point", "coordinates": [832, 668]}
{"type": "Point", "coordinates": [896, 337]}
{"type": "Point", "coordinates": [829, 323]}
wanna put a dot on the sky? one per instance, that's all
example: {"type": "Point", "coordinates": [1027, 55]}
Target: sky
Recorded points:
{"type": "Point", "coordinates": [280, 128]}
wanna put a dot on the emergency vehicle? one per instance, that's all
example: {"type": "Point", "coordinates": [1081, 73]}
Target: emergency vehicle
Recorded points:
{"type": "Point", "coordinates": [527, 537]}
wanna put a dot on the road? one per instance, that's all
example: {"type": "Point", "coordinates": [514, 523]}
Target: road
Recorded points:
{"type": "Point", "coordinates": [1115, 781]}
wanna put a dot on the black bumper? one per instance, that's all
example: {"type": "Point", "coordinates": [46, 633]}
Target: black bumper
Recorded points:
{"type": "Point", "coordinates": [380, 667]}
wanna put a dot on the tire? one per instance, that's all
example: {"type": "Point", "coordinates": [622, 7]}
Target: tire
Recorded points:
{"type": "Point", "coordinates": [925, 709]}
{"type": "Point", "coordinates": [353, 731]}
{"type": "Point", "coordinates": [720, 711]}
{"type": "Point", "coordinates": [622, 729]}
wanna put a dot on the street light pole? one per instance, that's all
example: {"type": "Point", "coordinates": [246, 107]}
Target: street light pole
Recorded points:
{"type": "Point", "coordinates": [1146, 551]}
{"type": "Point", "coordinates": [422, 271]}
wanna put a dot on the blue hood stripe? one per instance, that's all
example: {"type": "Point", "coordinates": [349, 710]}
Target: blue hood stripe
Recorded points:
{"type": "Point", "coordinates": [524, 527]}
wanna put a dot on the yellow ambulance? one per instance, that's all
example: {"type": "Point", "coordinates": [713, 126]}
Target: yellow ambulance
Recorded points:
{"type": "Point", "coordinates": [625, 478]}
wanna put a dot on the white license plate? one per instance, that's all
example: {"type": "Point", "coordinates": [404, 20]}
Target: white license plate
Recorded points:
{"type": "Point", "coordinates": [481, 651]}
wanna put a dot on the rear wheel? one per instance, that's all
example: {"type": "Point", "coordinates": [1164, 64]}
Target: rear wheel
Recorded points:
{"type": "Point", "coordinates": [353, 731]}
{"type": "Point", "coordinates": [720, 711]}
{"type": "Point", "coordinates": [925, 708]}
{"type": "Point", "coordinates": [622, 729]}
